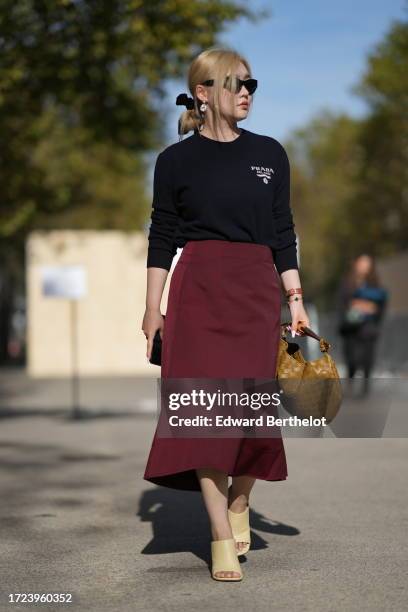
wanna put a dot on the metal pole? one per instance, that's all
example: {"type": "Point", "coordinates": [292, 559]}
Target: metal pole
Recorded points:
{"type": "Point", "coordinates": [76, 413]}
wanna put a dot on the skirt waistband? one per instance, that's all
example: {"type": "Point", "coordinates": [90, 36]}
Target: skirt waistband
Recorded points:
{"type": "Point", "coordinates": [212, 249]}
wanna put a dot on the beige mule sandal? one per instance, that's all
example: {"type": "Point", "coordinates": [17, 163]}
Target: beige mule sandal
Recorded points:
{"type": "Point", "coordinates": [239, 522]}
{"type": "Point", "coordinates": [225, 559]}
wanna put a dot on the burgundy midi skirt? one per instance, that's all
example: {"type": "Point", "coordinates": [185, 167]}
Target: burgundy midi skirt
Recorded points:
{"type": "Point", "coordinates": [222, 320]}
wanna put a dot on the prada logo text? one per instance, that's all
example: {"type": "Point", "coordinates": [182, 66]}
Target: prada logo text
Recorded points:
{"type": "Point", "coordinates": [263, 172]}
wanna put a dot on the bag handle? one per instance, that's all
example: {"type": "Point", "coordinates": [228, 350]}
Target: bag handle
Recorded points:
{"type": "Point", "coordinates": [306, 331]}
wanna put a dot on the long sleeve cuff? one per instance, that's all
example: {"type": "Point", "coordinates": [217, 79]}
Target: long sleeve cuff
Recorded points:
{"type": "Point", "coordinates": [160, 258]}
{"type": "Point", "coordinates": [286, 259]}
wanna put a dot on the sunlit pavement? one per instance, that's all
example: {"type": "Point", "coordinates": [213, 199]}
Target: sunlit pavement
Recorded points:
{"type": "Point", "coordinates": [77, 517]}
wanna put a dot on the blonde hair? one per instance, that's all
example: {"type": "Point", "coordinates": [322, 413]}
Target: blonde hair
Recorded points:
{"type": "Point", "coordinates": [214, 63]}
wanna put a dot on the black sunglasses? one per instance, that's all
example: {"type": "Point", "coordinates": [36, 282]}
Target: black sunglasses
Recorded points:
{"type": "Point", "coordinates": [235, 85]}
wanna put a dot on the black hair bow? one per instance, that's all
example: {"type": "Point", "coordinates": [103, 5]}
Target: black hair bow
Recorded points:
{"type": "Point", "coordinates": [184, 99]}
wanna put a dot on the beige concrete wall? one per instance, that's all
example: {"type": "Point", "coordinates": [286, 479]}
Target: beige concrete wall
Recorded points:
{"type": "Point", "coordinates": [394, 277]}
{"type": "Point", "coordinates": [109, 318]}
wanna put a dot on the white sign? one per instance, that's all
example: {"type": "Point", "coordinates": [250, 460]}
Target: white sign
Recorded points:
{"type": "Point", "coordinates": [64, 281]}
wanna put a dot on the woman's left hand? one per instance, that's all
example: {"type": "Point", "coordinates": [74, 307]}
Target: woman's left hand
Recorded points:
{"type": "Point", "coordinates": [299, 317]}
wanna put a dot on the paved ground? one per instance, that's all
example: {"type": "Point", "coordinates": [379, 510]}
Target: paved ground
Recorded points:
{"type": "Point", "coordinates": [76, 516]}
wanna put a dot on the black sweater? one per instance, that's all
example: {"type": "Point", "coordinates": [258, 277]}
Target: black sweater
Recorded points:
{"type": "Point", "coordinates": [236, 191]}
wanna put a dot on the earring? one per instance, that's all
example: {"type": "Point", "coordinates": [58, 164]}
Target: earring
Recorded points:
{"type": "Point", "coordinates": [203, 107]}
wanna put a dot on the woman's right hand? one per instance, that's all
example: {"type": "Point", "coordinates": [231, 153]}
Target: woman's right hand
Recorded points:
{"type": "Point", "coordinates": [152, 321]}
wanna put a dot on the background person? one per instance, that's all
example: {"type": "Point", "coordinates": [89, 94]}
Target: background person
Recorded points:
{"type": "Point", "coordinates": [362, 303]}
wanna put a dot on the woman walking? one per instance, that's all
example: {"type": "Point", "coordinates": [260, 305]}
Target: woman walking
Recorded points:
{"type": "Point", "coordinates": [223, 195]}
{"type": "Point", "coordinates": [361, 305]}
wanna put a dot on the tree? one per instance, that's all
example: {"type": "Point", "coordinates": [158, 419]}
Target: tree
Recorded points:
{"type": "Point", "coordinates": [382, 196]}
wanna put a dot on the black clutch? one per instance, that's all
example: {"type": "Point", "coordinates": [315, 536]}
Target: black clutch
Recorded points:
{"type": "Point", "coordinates": [155, 357]}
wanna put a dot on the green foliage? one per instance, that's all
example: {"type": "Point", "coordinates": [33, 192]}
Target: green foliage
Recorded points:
{"type": "Point", "coordinates": [382, 194]}
{"type": "Point", "coordinates": [384, 84]}
{"type": "Point", "coordinates": [94, 185]}
{"type": "Point", "coordinates": [325, 158]}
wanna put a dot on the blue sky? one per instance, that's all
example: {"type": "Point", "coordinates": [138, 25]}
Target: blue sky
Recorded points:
{"type": "Point", "coordinates": [306, 56]}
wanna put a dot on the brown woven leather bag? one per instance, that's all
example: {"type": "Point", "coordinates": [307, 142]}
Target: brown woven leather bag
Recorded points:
{"type": "Point", "coordinates": [310, 388]}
